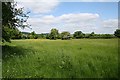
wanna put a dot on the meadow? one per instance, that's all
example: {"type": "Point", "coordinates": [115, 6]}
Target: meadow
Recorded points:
{"type": "Point", "coordinates": [76, 58]}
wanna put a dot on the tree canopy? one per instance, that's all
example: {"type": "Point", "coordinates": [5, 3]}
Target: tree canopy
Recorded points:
{"type": "Point", "coordinates": [54, 34]}
{"type": "Point", "coordinates": [78, 34]}
{"type": "Point", "coordinates": [65, 35]}
{"type": "Point", "coordinates": [117, 33]}
{"type": "Point", "coordinates": [12, 18]}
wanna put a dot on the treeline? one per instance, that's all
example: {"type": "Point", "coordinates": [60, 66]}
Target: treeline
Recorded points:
{"type": "Point", "coordinates": [54, 34]}
{"type": "Point", "coordinates": [24, 35]}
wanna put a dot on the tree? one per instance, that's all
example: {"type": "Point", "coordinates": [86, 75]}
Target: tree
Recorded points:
{"type": "Point", "coordinates": [33, 35]}
{"type": "Point", "coordinates": [54, 34]}
{"type": "Point", "coordinates": [16, 34]}
{"type": "Point", "coordinates": [117, 33]}
{"type": "Point", "coordinates": [47, 36]}
{"type": "Point", "coordinates": [92, 35]}
{"type": "Point", "coordinates": [108, 36]}
{"type": "Point", "coordinates": [78, 34]}
{"type": "Point", "coordinates": [12, 18]}
{"type": "Point", "coordinates": [65, 35]}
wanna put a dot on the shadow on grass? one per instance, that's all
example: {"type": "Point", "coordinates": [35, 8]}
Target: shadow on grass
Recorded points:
{"type": "Point", "coordinates": [11, 51]}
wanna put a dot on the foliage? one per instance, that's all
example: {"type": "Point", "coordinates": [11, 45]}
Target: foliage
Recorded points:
{"type": "Point", "coordinates": [92, 35]}
{"type": "Point", "coordinates": [107, 36]}
{"type": "Point", "coordinates": [117, 33]}
{"type": "Point", "coordinates": [54, 34]}
{"type": "Point", "coordinates": [33, 35]}
{"type": "Point", "coordinates": [43, 35]}
{"type": "Point", "coordinates": [65, 35]}
{"type": "Point", "coordinates": [47, 36]}
{"type": "Point", "coordinates": [17, 35]}
{"type": "Point", "coordinates": [12, 18]}
{"type": "Point", "coordinates": [101, 36]}
{"type": "Point", "coordinates": [78, 34]}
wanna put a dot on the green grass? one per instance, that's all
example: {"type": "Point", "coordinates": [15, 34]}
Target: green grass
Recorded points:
{"type": "Point", "coordinates": [83, 58]}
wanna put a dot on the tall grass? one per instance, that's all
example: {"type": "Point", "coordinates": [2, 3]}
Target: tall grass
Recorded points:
{"type": "Point", "coordinates": [83, 58]}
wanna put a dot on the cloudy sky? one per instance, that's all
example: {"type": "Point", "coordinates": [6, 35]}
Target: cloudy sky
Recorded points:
{"type": "Point", "coordinates": [100, 16]}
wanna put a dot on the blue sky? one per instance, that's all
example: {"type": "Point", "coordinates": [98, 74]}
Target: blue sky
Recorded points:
{"type": "Point", "coordinates": [105, 9]}
{"type": "Point", "coordinates": [100, 17]}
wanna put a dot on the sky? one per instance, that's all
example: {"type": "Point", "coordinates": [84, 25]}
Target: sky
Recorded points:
{"type": "Point", "coordinates": [99, 16]}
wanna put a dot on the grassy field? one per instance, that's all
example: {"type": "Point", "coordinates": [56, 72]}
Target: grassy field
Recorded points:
{"type": "Point", "coordinates": [83, 58]}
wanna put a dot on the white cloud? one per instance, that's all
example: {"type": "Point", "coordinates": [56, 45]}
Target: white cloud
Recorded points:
{"type": "Point", "coordinates": [107, 26]}
{"type": "Point", "coordinates": [86, 22]}
{"type": "Point", "coordinates": [67, 22]}
{"type": "Point", "coordinates": [110, 23]}
{"type": "Point", "coordinates": [66, 18]}
{"type": "Point", "coordinates": [81, 17]}
{"type": "Point", "coordinates": [38, 6]}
